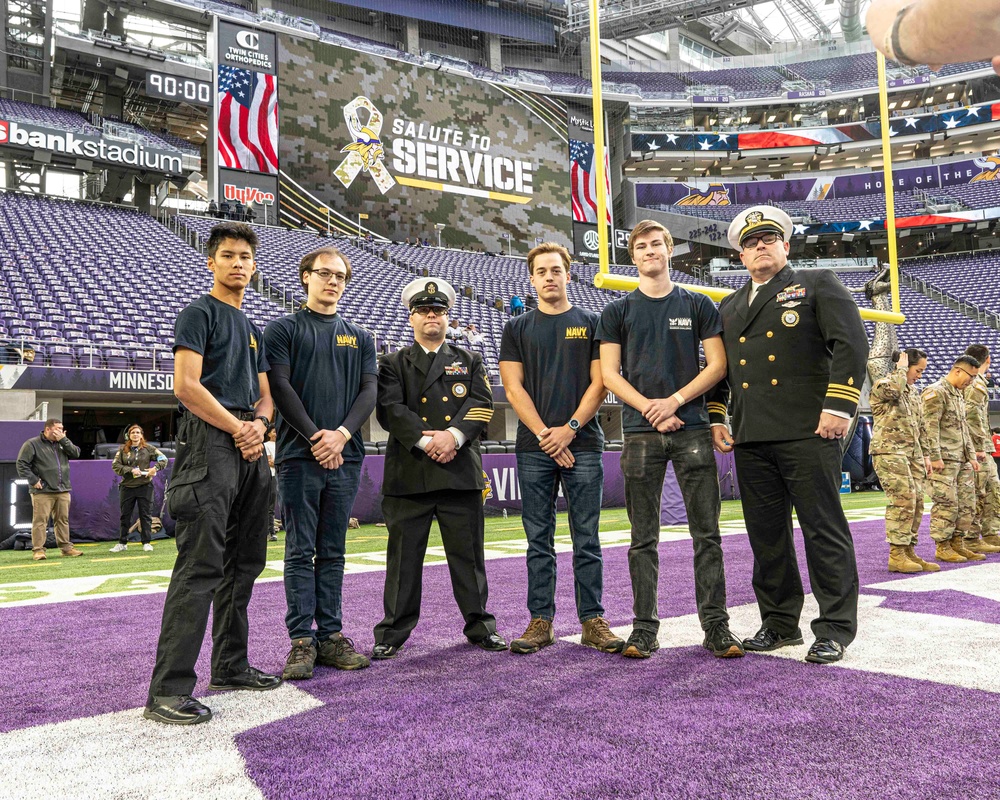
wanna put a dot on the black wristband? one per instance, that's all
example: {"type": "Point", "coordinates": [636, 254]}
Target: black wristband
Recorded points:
{"type": "Point", "coordinates": [901, 57]}
{"type": "Point", "coordinates": [266, 421]}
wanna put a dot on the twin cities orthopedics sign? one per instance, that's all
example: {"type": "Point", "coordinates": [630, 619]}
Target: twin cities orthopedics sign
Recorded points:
{"type": "Point", "coordinates": [94, 147]}
{"type": "Point", "coordinates": [247, 48]}
{"type": "Point", "coordinates": [427, 156]}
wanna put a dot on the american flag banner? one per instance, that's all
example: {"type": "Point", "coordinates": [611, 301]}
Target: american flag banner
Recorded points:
{"type": "Point", "coordinates": [584, 180]}
{"type": "Point", "coordinates": [248, 120]}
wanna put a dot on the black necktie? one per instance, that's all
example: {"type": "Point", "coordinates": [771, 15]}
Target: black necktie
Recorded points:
{"type": "Point", "coordinates": [425, 360]}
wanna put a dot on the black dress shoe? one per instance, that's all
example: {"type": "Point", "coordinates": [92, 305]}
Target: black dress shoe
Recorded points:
{"type": "Point", "coordinates": [769, 639]}
{"type": "Point", "coordinates": [179, 709]}
{"type": "Point", "coordinates": [250, 678]}
{"type": "Point", "coordinates": [495, 643]}
{"type": "Point", "coordinates": [825, 651]}
{"type": "Point", "coordinates": [382, 651]}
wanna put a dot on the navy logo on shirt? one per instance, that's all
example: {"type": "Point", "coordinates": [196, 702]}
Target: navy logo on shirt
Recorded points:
{"type": "Point", "coordinates": [343, 340]}
{"type": "Point", "coordinates": [579, 332]}
{"type": "Point", "coordinates": [253, 342]}
{"type": "Point", "coordinates": [680, 323]}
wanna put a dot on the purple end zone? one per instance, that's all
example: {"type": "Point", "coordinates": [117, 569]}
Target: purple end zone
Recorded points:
{"type": "Point", "coordinates": [448, 720]}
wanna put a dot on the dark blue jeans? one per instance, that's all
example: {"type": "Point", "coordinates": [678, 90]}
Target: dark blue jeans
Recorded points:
{"type": "Point", "coordinates": [644, 462]}
{"type": "Point", "coordinates": [583, 485]}
{"type": "Point", "coordinates": [316, 504]}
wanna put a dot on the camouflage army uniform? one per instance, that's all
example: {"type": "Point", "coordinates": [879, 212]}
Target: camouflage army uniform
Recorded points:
{"type": "Point", "coordinates": [899, 460]}
{"type": "Point", "coordinates": [947, 439]}
{"type": "Point", "coordinates": [987, 516]}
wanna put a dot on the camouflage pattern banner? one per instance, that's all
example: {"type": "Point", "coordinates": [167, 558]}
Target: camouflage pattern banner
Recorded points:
{"type": "Point", "coordinates": [413, 148]}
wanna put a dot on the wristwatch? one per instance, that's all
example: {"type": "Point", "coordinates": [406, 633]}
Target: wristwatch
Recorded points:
{"type": "Point", "coordinates": [574, 425]}
{"type": "Point", "coordinates": [266, 421]}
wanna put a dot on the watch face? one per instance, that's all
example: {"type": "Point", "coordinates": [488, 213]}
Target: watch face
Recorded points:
{"type": "Point", "coordinates": [574, 425]}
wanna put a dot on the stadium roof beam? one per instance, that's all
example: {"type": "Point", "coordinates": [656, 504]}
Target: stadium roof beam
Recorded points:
{"type": "Point", "coordinates": [625, 19]}
{"type": "Point", "coordinates": [807, 12]}
{"type": "Point", "coordinates": [792, 26]}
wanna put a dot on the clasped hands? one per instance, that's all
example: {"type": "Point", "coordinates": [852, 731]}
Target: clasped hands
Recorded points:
{"type": "Point", "coordinates": [442, 447]}
{"type": "Point", "coordinates": [250, 439]}
{"type": "Point", "coordinates": [661, 413]}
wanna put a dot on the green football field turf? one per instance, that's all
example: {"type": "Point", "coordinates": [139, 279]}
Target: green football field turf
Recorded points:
{"type": "Point", "coordinates": [17, 566]}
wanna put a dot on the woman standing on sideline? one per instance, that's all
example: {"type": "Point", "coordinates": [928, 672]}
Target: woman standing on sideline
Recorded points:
{"type": "Point", "coordinates": [134, 462]}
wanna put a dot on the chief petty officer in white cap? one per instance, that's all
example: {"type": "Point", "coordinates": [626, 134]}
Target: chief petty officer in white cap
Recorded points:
{"type": "Point", "coordinates": [434, 399]}
{"type": "Point", "coordinates": [797, 352]}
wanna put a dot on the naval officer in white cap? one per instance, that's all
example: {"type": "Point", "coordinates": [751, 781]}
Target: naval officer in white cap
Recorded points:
{"type": "Point", "coordinates": [434, 399]}
{"type": "Point", "coordinates": [796, 352]}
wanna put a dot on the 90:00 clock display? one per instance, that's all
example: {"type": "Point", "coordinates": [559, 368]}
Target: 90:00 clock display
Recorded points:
{"type": "Point", "coordinates": [170, 87]}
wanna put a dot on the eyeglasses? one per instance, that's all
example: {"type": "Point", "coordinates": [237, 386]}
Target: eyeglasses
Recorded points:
{"type": "Point", "coordinates": [970, 374]}
{"type": "Point", "coordinates": [767, 238]}
{"type": "Point", "coordinates": [326, 276]}
{"type": "Point", "coordinates": [424, 311]}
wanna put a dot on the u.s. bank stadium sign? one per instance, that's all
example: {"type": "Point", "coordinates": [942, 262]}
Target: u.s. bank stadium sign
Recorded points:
{"type": "Point", "coordinates": [88, 146]}
{"type": "Point", "coordinates": [22, 376]}
{"type": "Point", "coordinates": [425, 156]}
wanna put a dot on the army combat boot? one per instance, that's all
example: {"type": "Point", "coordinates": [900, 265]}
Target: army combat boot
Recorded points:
{"type": "Point", "coordinates": [980, 546]}
{"type": "Point", "coordinates": [899, 560]}
{"type": "Point", "coordinates": [926, 566]}
{"type": "Point", "coordinates": [958, 545]}
{"type": "Point", "coordinates": [945, 553]}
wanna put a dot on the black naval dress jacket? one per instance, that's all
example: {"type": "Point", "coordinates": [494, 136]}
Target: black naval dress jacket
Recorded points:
{"type": "Point", "coordinates": [799, 349]}
{"type": "Point", "coordinates": [453, 393]}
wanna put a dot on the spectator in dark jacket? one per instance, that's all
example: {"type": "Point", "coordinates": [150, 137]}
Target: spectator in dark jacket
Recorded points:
{"type": "Point", "coordinates": [44, 463]}
{"type": "Point", "coordinates": [137, 463]}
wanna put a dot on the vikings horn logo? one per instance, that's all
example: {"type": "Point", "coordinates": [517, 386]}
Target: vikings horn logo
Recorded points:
{"type": "Point", "coordinates": [991, 169]}
{"type": "Point", "coordinates": [487, 487]}
{"type": "Point", "coordinates": [715, 195]}
{"type": "Point", "coordinates": [365, 153]}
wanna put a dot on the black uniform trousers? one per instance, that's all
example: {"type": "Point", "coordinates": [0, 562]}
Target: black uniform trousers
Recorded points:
{"type": "Point", "coordinates": [408, 518]}
{"type": "Point", "coordinates": [130, 497]}
{"type": "Point", "coordinates": [805, 474]}
{"type": "Point", "coordinates": [219, 501]}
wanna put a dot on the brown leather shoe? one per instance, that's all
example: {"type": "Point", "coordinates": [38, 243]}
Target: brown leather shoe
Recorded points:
{"type": "Point", "coordinates": [39, 555]}
{"type": "Point", "coordinates": [538, 634]}
{"type": "Point", "coordinates": [958, 545]}
{"type": "Point", "coordinates": [926, 566]}
{"type": "Point", "coordinates": [597, 634]}
{"type": "Point", "coordinates": [71, 553]}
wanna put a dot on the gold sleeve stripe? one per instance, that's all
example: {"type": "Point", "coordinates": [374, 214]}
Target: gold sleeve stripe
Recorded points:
{"type": "Point", "coordinates": [486, 415]}
{"type": "Point", "coordinates": [842, 396]}
{"type": "Point", "coordinates": [717, 407]}
{"type": "Point", "coordinates": [846, 389]}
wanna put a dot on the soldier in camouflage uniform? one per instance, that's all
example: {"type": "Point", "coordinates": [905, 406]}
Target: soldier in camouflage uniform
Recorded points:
{"type": "Point", "coordinates": [899, 459]}
{"type": "Point", "coordinates": [953, 461]}
{"type": "Point", "coordinates": [987, 513]}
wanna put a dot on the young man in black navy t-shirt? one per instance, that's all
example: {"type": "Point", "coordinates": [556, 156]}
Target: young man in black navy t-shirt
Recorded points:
{"type": "Point", "coordinates": [551, 370]}
{"type": "Point", "coordinates": [218, 489]}
{"type": "Point", "coordinates": [650, 358]}
{"type": "Point", "coordinates": [324, 378]}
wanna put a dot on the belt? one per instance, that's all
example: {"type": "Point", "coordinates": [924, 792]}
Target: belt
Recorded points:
{"type": "Point", "coordinates": [244, 416]}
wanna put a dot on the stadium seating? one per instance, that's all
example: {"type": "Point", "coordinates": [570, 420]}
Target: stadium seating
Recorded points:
{"type": "Point", "coordinates": [971, 278]}
{"type": "Point", "coordinates": [110, 306]}
{"type": "Point", "coordinates": [939, 331]}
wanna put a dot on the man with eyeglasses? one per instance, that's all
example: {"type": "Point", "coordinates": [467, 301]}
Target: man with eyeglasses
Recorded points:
{"type": "Point", "coordinates": [952, 451]}
{"type": "Point", "coordinates": [435, 400]}
{"type": "Point", "coordinates": [323, 380]}
{"type": "Point", "coordinates": [796, 352]}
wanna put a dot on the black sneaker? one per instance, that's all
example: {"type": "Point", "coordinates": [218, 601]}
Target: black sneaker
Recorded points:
{"type": "Point", "coordinates": [767, 639]}
{"type": "Point", "coordinates": [640, 644]}
{"type": "Point", "coordinates": [338, 651]}
{"type": "Point", "coordinates": [720, 640]}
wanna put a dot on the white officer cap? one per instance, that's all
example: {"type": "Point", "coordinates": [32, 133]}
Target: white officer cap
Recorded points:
{"type": "Point", "coordinates": [428, 292]}
{"type": "Point", "coordinates": [757, 220]}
